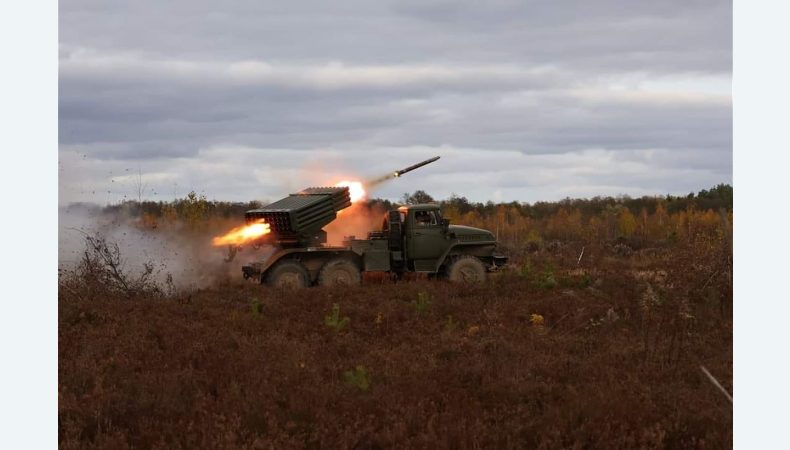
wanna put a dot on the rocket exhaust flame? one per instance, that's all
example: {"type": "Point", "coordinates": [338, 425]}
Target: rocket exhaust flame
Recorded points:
{"type": "Point", "coordinates": [243, 234]}
{"type": "Point", "coordinates": [357, 191]}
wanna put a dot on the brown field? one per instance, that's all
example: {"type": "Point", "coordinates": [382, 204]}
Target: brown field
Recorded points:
{"type": "Point", "coordinates": [605, 353]}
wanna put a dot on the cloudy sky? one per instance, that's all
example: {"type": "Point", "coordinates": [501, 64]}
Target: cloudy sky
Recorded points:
{"type": "Point", "coordinates": [524, 100]}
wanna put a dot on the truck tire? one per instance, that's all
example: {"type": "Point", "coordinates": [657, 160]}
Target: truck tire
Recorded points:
{"type": "Point", "coordinates": [339, 272]}
{"type": "Point", "coordinates": [288, 274]}
{"type": "Point", "coordinates": [466, 269]}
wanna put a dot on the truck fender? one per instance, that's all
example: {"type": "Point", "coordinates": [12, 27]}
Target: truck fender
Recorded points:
{"type": "Point", "coordinates": [442, 259]}
{"type": "Point", "coordinates": [276, 256]}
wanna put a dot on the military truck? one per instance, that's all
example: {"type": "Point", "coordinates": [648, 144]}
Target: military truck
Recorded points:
{"type": "Point", "coordinates": [413, 238]}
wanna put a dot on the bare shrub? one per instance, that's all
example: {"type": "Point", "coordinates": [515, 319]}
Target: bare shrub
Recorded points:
{"type": "Point", "coordinates": [622, 250]}
{"type": "Point", "coordinates": [103, 270]}
{"type": "Point", "coordinates": [554, 247]}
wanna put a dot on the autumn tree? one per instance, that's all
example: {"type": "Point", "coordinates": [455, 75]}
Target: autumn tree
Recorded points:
{"type": "Point", "coordinates": [451, 213]}
{"type": "Point", "coordinates": [626, 223]}
{"type": "Point", "coordinates": [418, 196]}
{"type": "Point", "coordinates": [193, 209]}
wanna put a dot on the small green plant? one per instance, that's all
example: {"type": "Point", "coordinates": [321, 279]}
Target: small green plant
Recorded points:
{"type": "Point", "coordinates": [451, 325]}
{"type": "Point", "coordinates": [546, 279]}
{"type": "Point", "coordinates": [533, 242]}
{"type": "Point", "coordinates": [358, 378]}
{"type": "Point", "coordinates": [423, 302]}
{"type": "Point", "coordinates": [256, 307]}
{"type": "Point", "coordinates": [526, 270]}
{"type": "Point", "coordinates": [575, 281]}
{"type": "Point", "coordinates": [334, 321]}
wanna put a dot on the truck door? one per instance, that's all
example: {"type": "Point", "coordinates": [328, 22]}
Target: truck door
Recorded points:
{"type": "Point", "coordinates": [426, 239]}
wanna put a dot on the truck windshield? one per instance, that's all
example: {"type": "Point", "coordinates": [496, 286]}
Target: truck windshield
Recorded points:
{"type": "Point", "coordinates": [425, 218]}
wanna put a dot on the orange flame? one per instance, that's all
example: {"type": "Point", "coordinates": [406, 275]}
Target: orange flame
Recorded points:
{"type": "Point", "coordinates": [355, 189]}
{"type": "Point", "coordinates": [243, 234]}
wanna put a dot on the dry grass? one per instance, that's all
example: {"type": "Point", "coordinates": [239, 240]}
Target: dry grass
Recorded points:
{"type": "Point", "coordinates": [612, 362]}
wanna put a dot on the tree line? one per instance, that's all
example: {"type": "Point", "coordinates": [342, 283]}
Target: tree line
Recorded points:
{"type": "Point", "coordinates": [666, 218]}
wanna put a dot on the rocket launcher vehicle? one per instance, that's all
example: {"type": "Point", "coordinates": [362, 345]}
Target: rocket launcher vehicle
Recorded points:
{"type": "Point", "coordinates": [298, 220]}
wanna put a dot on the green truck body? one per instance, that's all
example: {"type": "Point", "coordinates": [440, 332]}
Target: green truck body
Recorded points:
{"type": "Point", "coordinates": [413, 238]}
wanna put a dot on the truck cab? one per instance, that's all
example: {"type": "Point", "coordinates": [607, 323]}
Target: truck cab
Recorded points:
{"type": "Point", "coordinates": [421, 240]}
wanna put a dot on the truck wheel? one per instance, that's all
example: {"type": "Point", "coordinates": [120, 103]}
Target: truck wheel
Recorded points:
{"type": "Point", "coordinates": [339, 272]}
{"type": "Point", "coordinates": [466, 269]}
{"type": "Point", "coordinates": [288, 275]}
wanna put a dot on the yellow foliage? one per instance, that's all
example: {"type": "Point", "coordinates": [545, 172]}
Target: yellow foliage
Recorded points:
{"type": "Point", "coordinates": [169, 213]}
{"type": "Point", "coordinates": [626, 223]}
{"type": "Point", "coordinates": [451, 212]}
{"type": "Point", "coordinates": [149, 220]}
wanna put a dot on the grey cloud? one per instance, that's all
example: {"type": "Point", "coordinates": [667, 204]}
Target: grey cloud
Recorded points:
{"type": "Point", "coordinates": [527, 99]}
{"type": "Point", "coordinates": [369, 32]}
